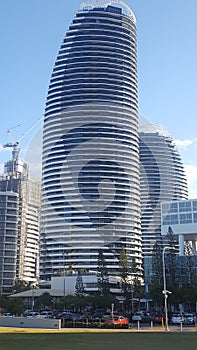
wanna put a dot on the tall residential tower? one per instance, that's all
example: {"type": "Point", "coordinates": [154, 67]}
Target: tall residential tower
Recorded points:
{"type": "Point", "coordinates": [91, 181]}
{"type": "Point", "coordinates": [162, 179]}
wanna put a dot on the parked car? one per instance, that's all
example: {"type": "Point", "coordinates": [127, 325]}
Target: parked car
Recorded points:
{"type": "Point", "coordinates": [137, 316]}
{"type": "Point", "coordinates": [189, 319]}
{"type": "Point", "coordinates": [32, 314]}
{"type": "Point", "coordinates": [177, 318]}
{"type": "Point", "coordinates": [76, 317]}
{"type": "Point", "coordinates": [97, 316]}
{"type": "Point", "coordinates": [117, 320]}
{"type": "Point", "coordinates": [7, 314]}
{"type": "Point", "coordinates": [65, 315]}
{"type": "Point", "coordinates": [46, 314]}
{"type": "Point", "coordinates": [157, 318]}
{"type": "Point", "coordinates": [146, 318]}
{"type": "Point", "coordinates": [85, 317]}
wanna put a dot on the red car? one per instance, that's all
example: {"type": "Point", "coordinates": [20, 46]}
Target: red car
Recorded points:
{"type": "Point", "coordinates": [116, 319]}
{"type": "Point", "coordinates": [157, 318]}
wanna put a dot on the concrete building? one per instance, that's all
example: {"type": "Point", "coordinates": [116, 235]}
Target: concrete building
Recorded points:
{"type": "Point", "coordinates": [9, 204]}
{"type": "Point", "coordinates": [91, 178]}
{"type": "Point", "coordinates": [29, 231]}
{"type": "Point", "coordinates": [67, 284]}
{"type": "Point", "coordinates": [19, 225]}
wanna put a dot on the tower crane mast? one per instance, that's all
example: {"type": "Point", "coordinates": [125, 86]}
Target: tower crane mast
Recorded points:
{"type": "Point", "coordinates": [15, 144]}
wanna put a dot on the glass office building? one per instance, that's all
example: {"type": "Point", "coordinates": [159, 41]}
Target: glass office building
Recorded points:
{"type": "Point", "coordinates": [181, 216]}
{"type": "Point", "coordinates": [91, 181]}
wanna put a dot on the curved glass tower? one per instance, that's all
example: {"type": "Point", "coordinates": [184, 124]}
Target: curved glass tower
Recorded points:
{"type": "Point", "coordinates": [91, 185]}
{"type": "Point", "coordinates": [162, 179]}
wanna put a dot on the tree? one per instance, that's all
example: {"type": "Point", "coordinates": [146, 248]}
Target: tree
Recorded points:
{"type": "Point", "coordinates": [71, 302]}
{"type": "Point", "coordinates": [190, 262]}
{"type": "Point", "coordinates": [156, 285]}
{"type": "Point", "coordinates": [98, 301]}
{"type": "Point", "coordinates": [102, 275]}
{"type": "Point", "coordinates": [125, 274]}
{"type": "Point", "coordinates": [137, 289]}
{"type": "Point", "coordinates": [79, 287]}
{"type": "Point", "coordinates": [44, 300]}
{"type": "Point", "coordinates": [21, 286]}
{"type": "Point", "coordinates": [3, 301]}
{"type": "Point", "coordinates": [170, 239]}
{"type": "Point", "coordinates": [14, 306]}
{"type": "Point", "coordinates": [188, 295]}
{"type": "Point", "coordinates": [156, 294]}
{"type": "Point", "coordinates": [157, 267]}
{"type": "Point", "coordinates": [171, 261]}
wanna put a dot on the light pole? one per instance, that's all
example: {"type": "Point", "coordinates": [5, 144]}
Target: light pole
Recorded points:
{"type": "Point", "coordinates": [112, 312]}
{"type": "Point", "coordinates": [32, 297]}
{"type": "Point", "coordinates": [165, 292]}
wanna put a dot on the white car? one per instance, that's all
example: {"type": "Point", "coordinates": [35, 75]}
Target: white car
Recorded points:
{"type": "Point", "coordinates": [177, 319]}
{"type": "Point", "coordinates": [137, 316]}
{"type": "Point", "coordinates": [46, 314]}
{"type": "Point", "coordinates": [32, 314]}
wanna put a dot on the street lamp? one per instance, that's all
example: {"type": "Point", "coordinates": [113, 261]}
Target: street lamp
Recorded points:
{"type": "Point", "coordinates": [32, 296]}
{"type": "Point", "coordinates": [165, 292]}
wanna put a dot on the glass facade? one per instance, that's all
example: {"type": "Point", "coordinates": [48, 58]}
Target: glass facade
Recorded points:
{"type": "Point", "coordinates": [185, 212]}
{"type": "Point", "coordinates": [91, 188]}
{"type": "Point", "coordinates": [162, 179]}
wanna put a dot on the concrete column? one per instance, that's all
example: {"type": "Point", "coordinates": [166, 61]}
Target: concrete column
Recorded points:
{"type": "Point", "coordinates": [181, 245]}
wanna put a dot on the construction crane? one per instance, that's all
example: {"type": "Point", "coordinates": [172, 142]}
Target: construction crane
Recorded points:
{"type": "Point", "coordinates": [15, 144]}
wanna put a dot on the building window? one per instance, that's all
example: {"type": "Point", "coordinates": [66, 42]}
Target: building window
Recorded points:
{"type": "Point", "coordinates": [171, 220]}
{"type": "Point", "coordinates": [195, 218]}
{"type": "Point", "coordinates": [185, 206]}
{"type": "Point", "coordinates": [165, 207]}
{"type": "Point", "coordinates": [173, 207]}
{"type": "Point", "coordinates": [186, 218]}
{"type": "Point", "coordinates": [194, 205]}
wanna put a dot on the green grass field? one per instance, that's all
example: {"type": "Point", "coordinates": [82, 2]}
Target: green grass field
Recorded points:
{"type": "Point", "coordinates": [98, 341]}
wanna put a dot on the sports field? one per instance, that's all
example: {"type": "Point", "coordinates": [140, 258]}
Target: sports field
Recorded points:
{"type": "Point", "coordinates": [98, 341]}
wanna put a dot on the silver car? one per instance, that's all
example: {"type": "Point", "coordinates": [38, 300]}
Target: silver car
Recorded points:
{"type": "Point", "coordinates": [177, 319]}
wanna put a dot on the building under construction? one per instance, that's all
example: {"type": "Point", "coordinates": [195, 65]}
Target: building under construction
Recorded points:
{"type": "Point", "coordinates": [19, 224]}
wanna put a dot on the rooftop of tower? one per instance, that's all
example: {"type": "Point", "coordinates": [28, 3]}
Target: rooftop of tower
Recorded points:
{"type": "Point", "coordinates": [91, 4]}
{"type": "Point", "coordinates": [153, 129]}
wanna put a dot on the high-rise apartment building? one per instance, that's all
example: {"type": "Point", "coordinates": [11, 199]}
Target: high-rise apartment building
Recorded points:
{"type": "Point", "coordinates": [91, 177]}
{"type": "Point", "coordinates": [162, 179]}
{"type": "Point", "coordinates": [19, 225]}
{"type": "Point", "coordinates": [9, 204]}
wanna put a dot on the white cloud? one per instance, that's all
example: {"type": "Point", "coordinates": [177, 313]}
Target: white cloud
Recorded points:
{"type": "Point", "coordinates": [186, 143]}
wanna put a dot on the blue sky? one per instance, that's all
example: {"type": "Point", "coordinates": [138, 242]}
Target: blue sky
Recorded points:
{"type": "Point", "coordinates": [32, 31]}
